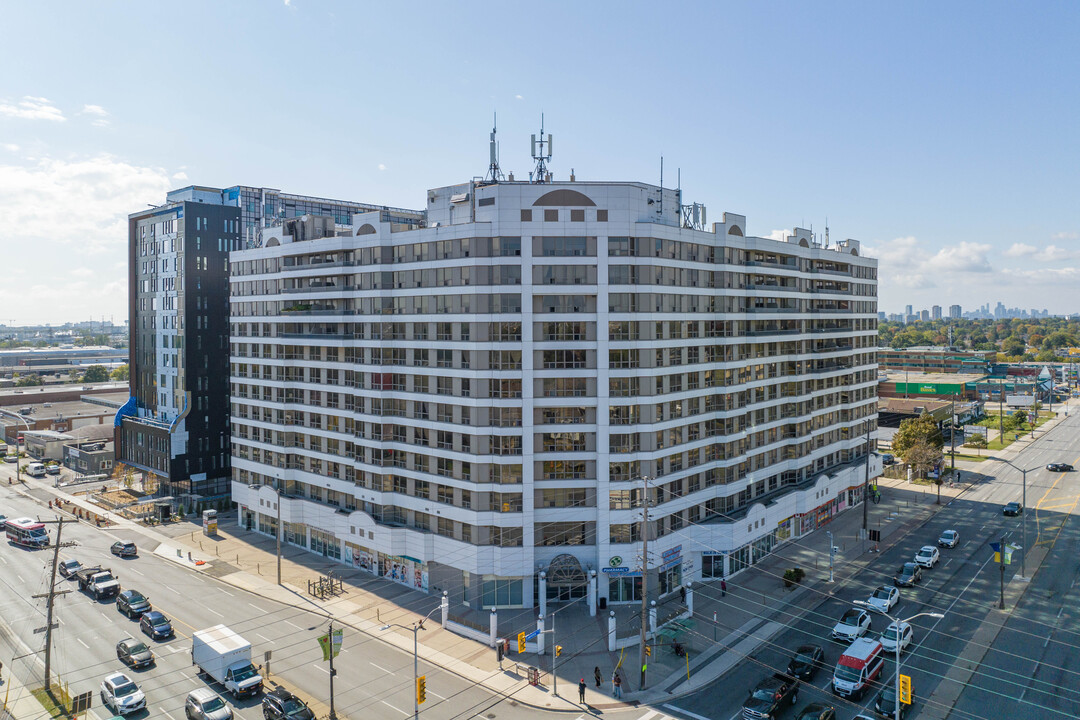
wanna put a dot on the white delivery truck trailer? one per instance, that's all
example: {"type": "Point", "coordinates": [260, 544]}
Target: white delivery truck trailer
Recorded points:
{"type": "Point", "coordinates": [226, 657]}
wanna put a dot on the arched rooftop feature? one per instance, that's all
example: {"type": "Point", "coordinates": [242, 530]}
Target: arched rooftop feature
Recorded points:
{"type": "Point", "coordinates": [564, 198]}
{"type": "Point", "coordinates": [366, 229]}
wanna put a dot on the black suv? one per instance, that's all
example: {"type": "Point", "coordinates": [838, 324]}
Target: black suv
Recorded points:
{"type": "Point", "coordinates": [806, 661]}
{"type": "Point", "coordinates": [132, 603]}
{"type": "Point", "coordinates": [908, 574]}
{"type": "Point", "coordinates": [280, 704]}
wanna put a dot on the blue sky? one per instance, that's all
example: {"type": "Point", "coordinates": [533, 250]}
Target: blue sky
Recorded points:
{"type": "Point", "coordinates": [941, 135]}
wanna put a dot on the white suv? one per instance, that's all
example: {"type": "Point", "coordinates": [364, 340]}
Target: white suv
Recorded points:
{"type": "Point", "coordinates": [120, 693]}
{"type": "Point", "coordinates": [927, 556]}
{"type": "Point", "coordinates": [854, 624]}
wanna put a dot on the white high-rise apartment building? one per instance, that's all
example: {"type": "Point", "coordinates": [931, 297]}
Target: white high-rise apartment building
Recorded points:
{"type": "Point", "coordinates": [475, 403]}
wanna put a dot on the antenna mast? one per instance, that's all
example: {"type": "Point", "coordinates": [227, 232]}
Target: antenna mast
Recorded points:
{"type": "Point", "coordinates": [541, 155]}
{"type": "Point", "coordinates": [494, 174]}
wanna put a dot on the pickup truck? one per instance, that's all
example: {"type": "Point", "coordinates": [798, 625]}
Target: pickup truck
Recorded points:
{"type": "Point", "coordinates": [767, 699]}
{"type": "Point", "coordinates": [98, 581]}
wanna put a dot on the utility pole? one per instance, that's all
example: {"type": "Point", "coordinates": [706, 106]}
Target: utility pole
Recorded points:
{"type": "Point", "coordinates": [1001, 563]}
{"type": "Point", "coordinates": [866, 482]}
{"type": "Point", "coordinates": [1001, 414]}
{"type": "Point", "coordinates": [952, 435]}
{"type": "Point", "coordinates": [644, 573]}
{"type": "Point", "coordinates": [330, 636]}
{"type": "Point", "coordinates": [277, 489]}
{"type": "Point", "coordinates": [49, 604]}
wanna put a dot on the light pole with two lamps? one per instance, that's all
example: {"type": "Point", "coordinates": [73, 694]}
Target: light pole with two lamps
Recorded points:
{"type": "Point", "coordinates": [416, 627]}
{"type": "Point", "coordinates": [898, 625]}
{"type": "Point", "coordinates": [1023, 514]}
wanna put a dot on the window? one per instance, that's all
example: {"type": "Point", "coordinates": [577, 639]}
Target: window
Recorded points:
{"type": "Point", "coordinates": [526, 216]}
{"type": "Point", "coordinates": [551, 215]}
{"type": "Point", "coordinates": [563, 246]}
{"type": "Point", "coordinates": [577, 216]}
{"type": "Point", "coordinates": [601, 216]}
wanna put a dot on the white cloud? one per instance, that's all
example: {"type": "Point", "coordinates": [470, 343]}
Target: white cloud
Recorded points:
{"type": "Point", "coordinates": [10, 147]}
{"type": "Point", "coordinates": [905, 264]}
{"type": "Point", "coordinates": [179, 175]}
{"type": "Point", "coordinates": [1053, 253]}
{"type": "Point", "coordinates": [780, 235]}
{"type": "Point", "coordinates": [1021, 250]}
{"type": "Point", "coordinates": [965, 257]}
{"type": "Point", "coordinates": [1067, 276]}
{"type": "Point", "coordinates": [381, 166]}
{"type": "Point", "coordinates": [32, 108]}
{"type": "Point", "coordinates": [82, 272]}
{"type": "Point", "coordinates": [1066, 236]}
{"type": "Point", "coordinates": [518, 97]}
{"type": "Point", "coordinates": [100, 114]}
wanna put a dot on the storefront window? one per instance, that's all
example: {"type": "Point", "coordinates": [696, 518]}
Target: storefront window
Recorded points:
{"type": "Point", "coordinates": [624, 589]}
{"type": "Point", "coordinates": [670, 579]}
{"type": "Point", "coordinates": [296, 534]}
{"type": "Point", "coordinates": [325, 543]}
{"type": "Point", "coordinates": [740, 559]}
{"type": "Point", "coordinates": [500, 592]}
{"type": "Point", "coordinates": [712, 566]}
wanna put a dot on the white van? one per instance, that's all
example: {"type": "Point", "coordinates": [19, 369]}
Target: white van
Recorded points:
{"type": "Point", "coordinates": [859, 666]}
{"type": "Point", "coordinates": [36, 469]}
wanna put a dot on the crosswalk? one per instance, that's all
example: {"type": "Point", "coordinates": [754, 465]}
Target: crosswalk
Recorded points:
{"type": "Point", "coordinates": [649, 714]}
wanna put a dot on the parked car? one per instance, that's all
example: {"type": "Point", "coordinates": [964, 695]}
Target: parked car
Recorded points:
{"type": "Point", "coordinates": [156, 625]}
{"type": "Point", "coordinates": [891, 637]}
{"type": "Point", "coordinates": [908, 574]}
{"type": "Point", "coordinates": [885, 703]}
{"type": "Point", "coordinates": [1012, 509]}
{"type": "Point", "coordinates": [884, 599]}
{"type": "Point", "coordinates": [854, 623]}
{"type": "Point", "coordinates": [132, 603]}
{"type": "Point", "coordinates": [948, 539]}
{"type": "Point", "coordinates": [121, 694]}
{"type": "Point", "coordinates": [927, 556]}
{"type": "Point", "coordinates": [134, 653]}
{"type": "Point", "coordinates": [124, 549]}
{"type": "Point", "coordinates": [888, 459]}
{"type": "Point", "coordinates": [205, 704]}
{"type": "Point", "coordinates": [1059, 467]}
{"type": "Point", "coordinates": [817, 711]}
{"type": "Point", "coordinates": [52, 469]}
{"type": "Point", "coordinates": [68, 568]}
{"type": "Point", "coordinates": [280, 704]}
{"type": "Point", "coordinates": [806, 662]}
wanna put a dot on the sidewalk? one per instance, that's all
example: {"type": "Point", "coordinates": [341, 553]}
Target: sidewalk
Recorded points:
{"type": "Point", "coordinates": [756, 606]}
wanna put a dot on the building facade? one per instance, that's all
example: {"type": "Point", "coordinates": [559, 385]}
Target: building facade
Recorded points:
{"type": "Point", "coordinates": [936, 360]}
{"type": "Point", "coordinates": [479, 402]}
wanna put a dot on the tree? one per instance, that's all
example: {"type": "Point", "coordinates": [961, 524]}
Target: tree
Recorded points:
{"type": "Point", "coordinates": [95, 374]}
{"type": "Point", "coordinates": [977, 441]}
{"type": "Point", "coordinates": [28, 380]}
{"type": "Point", "coordinates": [1013, 346]}
{"type": "Point", "coordinates": [924, 457]}
{"type": "Point", "coordinates": [121, 373]}
{"type": "Point", "coordinates": [914, 429]}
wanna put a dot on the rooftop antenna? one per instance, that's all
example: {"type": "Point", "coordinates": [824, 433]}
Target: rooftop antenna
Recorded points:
{"type": "Point", "coordinates": [494, 172]}
{"type": "Point", "coordinates": [826, 233]}
{"type": "Point", "coordinates": [540, 175]}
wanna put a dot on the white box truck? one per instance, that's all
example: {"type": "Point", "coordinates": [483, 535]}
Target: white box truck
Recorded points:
{"type": "Point", "coordinates": [226, 657]}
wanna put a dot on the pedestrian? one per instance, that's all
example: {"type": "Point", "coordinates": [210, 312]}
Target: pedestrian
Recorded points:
{"type": "Point", "coordinates": [581, 690]}
{"type": "Point", "coordinates": [617, 682]}
{"type": "Point", "coordinates": [723, 588]}
{"type": "Point", "coordinates": [599, 678]}
{"type": "Point", "coordinates": [682, 595]}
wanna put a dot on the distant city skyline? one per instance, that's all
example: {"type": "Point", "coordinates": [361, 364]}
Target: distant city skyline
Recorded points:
{"type": "Point", "coordinates": [956, 311]}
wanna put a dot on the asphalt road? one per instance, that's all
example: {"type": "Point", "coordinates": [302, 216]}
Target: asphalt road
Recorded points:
{"type": "Point", "coordinates": [1032, 669]}
{"type": "Point", "coordinates": [374, 680]}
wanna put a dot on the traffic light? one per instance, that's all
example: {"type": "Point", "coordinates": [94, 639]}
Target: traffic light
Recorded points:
{"type": "Point", "coordinates": [648, 651]}
{"type": "Point", "coordinates": [521, 643]}
{"type": "Point", "coordinates": [558, 650]}
{"type": "Point", "coordinates": [905, 689]}
{"type": "Point", "coordinates": [421, 689]}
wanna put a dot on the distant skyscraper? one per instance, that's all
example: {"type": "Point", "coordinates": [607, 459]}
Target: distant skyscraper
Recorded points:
{"type": "Point", "coordinates": [999, 311]}
{"type": "Point", "coordinates": [955, 312]}
{"type": "Point", "coordinates": [935, 312]}
{"type": "Point", "coordinates": [924, 315]}
{"type": "Point", "coordinates": [907, 311]}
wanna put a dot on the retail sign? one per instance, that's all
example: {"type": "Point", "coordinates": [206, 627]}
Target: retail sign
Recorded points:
{"type": "Point", "coordinates": [615, 561]}
{"type": "Point", "coordinates": [615, 570]}
{"type": "Point", "coordinates": [667, 555]}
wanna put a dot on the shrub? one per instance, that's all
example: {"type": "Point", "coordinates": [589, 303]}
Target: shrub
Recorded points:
{"type": "Point", "coordinates": [792, 576]}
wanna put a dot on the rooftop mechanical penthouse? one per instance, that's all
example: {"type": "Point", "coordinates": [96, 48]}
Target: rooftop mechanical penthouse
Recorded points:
{"type": "Point", "coordinates": [476, 401]}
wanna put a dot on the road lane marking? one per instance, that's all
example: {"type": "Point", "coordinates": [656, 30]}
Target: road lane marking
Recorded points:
{"type": "Point", "coordinates": [687, 712]}
{"type": "Point", "coordinates": [394, 708]}
{"type": "Point", "coordinates": [4, 560]}
{"type": "Point", "coordinates": [380, 667]}
{"type": "Point", "coordinates": [433, 694]}
{"type": "Point", "coordinates": [168, 588]}
{"type": "Point", "coordinates": [650, 715]}
{"type": "Point", "coordinates": [257, 607]}
{"type": "Point", "coordinates": [21, 581]}
{"type": "Point", "coordinates": [264, 638]}
{"type": "Point", "coordinates": [166, 714]}
{"type": "Point", "coordinates": [82, 643]}
{"type": "Point", "coordinates": [214, 612]}
{"type": "Point", "coordinates": [131, 569]}
{"type": "Point", "coordinates": [226, 592]}
{"type": "Point", "coordinates": [293, 624]}
{"type": "Point", "coordinates": [320, 667]}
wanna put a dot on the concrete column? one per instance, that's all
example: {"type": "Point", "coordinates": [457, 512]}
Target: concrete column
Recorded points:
{"type": "Point", "coordinates": [444, 606]}
{"type": "Point", "coordinates": [493, 627]}
{"type": "Point", "coordinates": [690, 599]}
{"type": "Point", "coordinates": [592, 593]}
{"type": "Point", "coordinates": [541, 636]}
{"type": "Point", "coordinates": [543, 594]}
{"type": "Point", "coordinates": [652, 616]}
{"type": "Point", "coordinates": [611, 632]}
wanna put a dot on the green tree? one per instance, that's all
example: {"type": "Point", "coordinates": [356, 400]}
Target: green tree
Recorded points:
{"type": "Point", "coordinates": [29, 380]}
{"type": "Point", "coordinates": [912, 431]}
{"type": "Point", "coordinates": [1013, 346]}
{"type": "Point", "coordinates": [976, 441]}
{"type": "Point", "coordinates": [95, 374]}
{"type": "Point", "coordinates": [121, 373]}
{"type": "Point", "coordinates": [923, 457]}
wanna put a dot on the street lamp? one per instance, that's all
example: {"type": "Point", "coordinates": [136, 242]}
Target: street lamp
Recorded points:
{"type": "Point", "coordinates": [1023, 513]}
{"type": "Point", "coordinates": [416, 626]}
{"type": "Point", "coordinates": [897, 624]}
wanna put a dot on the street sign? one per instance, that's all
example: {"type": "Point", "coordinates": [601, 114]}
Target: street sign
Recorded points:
{"type": "Point", "coordinates": [81, 703]}
{"type": "Point", "coordinates": [533, 635]}
{"type": "Point", "coordinates": [43, 629]}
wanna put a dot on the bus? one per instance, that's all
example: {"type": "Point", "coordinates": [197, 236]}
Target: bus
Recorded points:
{"type": "Point", "coordinates": [27, 532]}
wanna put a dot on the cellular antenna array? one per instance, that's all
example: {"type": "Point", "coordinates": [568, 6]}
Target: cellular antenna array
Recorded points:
{"type": "Point", "coordinates": [494, 173]}
{"type": "Point", "coordinates": [541, 154]}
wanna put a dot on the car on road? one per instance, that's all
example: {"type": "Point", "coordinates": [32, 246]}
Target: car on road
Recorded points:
{"type": "Point", "coordinates": [928, 556]}
{"type": "Point", "coordinates": [1059, 467]}
{"type": "Point", "coordinates": [854, 623]}
{"type": "Point", "coordinates": [124, 549]}
{"type": "Point", "coordinates": [68, 568]}
{"type": "Point", "coordinates": [816, 711]}
{"type": "Point", "coordinates": [134, 653]}
{"type": "Point", "coordinates": [884, 599]}
{"type": "Point", "coordinates": [280, 704]}
{"type": "Point", "coordinates": [11, 458]}
{"type": "Point", "coordinates": [132, 603]}
{"type": "Point", "coordinates": [156, 625]}
{"type": "Point", "coordinates": [205, 704]}
{"type": "Point", "coordinates": [907, 575]}
{"type": "Point", "coordinates": [806, 662]}
{"type": "Point", "coordinates": [769, 696]}
{"type": "Point", "coordinates": [121, 694]}
{"type": "Point", "coordinates": [889, 640]}
{"type": "Point", "coordinates": [888, 460]}
{"type": "Point", "coordinates": [948, 539]}
{"type": "Point", "coordinates": [1012, 509]}
{"type": "Point", "coordinates": [885, 703]}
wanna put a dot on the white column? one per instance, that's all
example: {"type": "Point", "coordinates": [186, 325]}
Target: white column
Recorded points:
{"type": "Point", "coordinates": [444, 606]}
{"type": "Point", "coordinates": [690, 599]}
{"type": "Point", "coordinates": [540, 637]}
{"type": "Point", "coordinates": [652, 616]}
{"type": "Point", "coordinates": [592, 593]}
{"type": "Point", "coordinates": [493, 627]}
{"type": "Point", "coordinates": [543, 594]}
{"type": "Point", "coordinates": [611, 632]}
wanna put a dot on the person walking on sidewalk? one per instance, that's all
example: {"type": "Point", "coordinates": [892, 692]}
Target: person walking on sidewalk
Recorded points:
{"type": "Point", "coordinates": [581, 690]}
{"type": "Point", "coordinates": [598, 677]}
{"type": "Point", "coordinates": [723, 587]}
{"type": "Point", "coordinates": [616, 682]}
